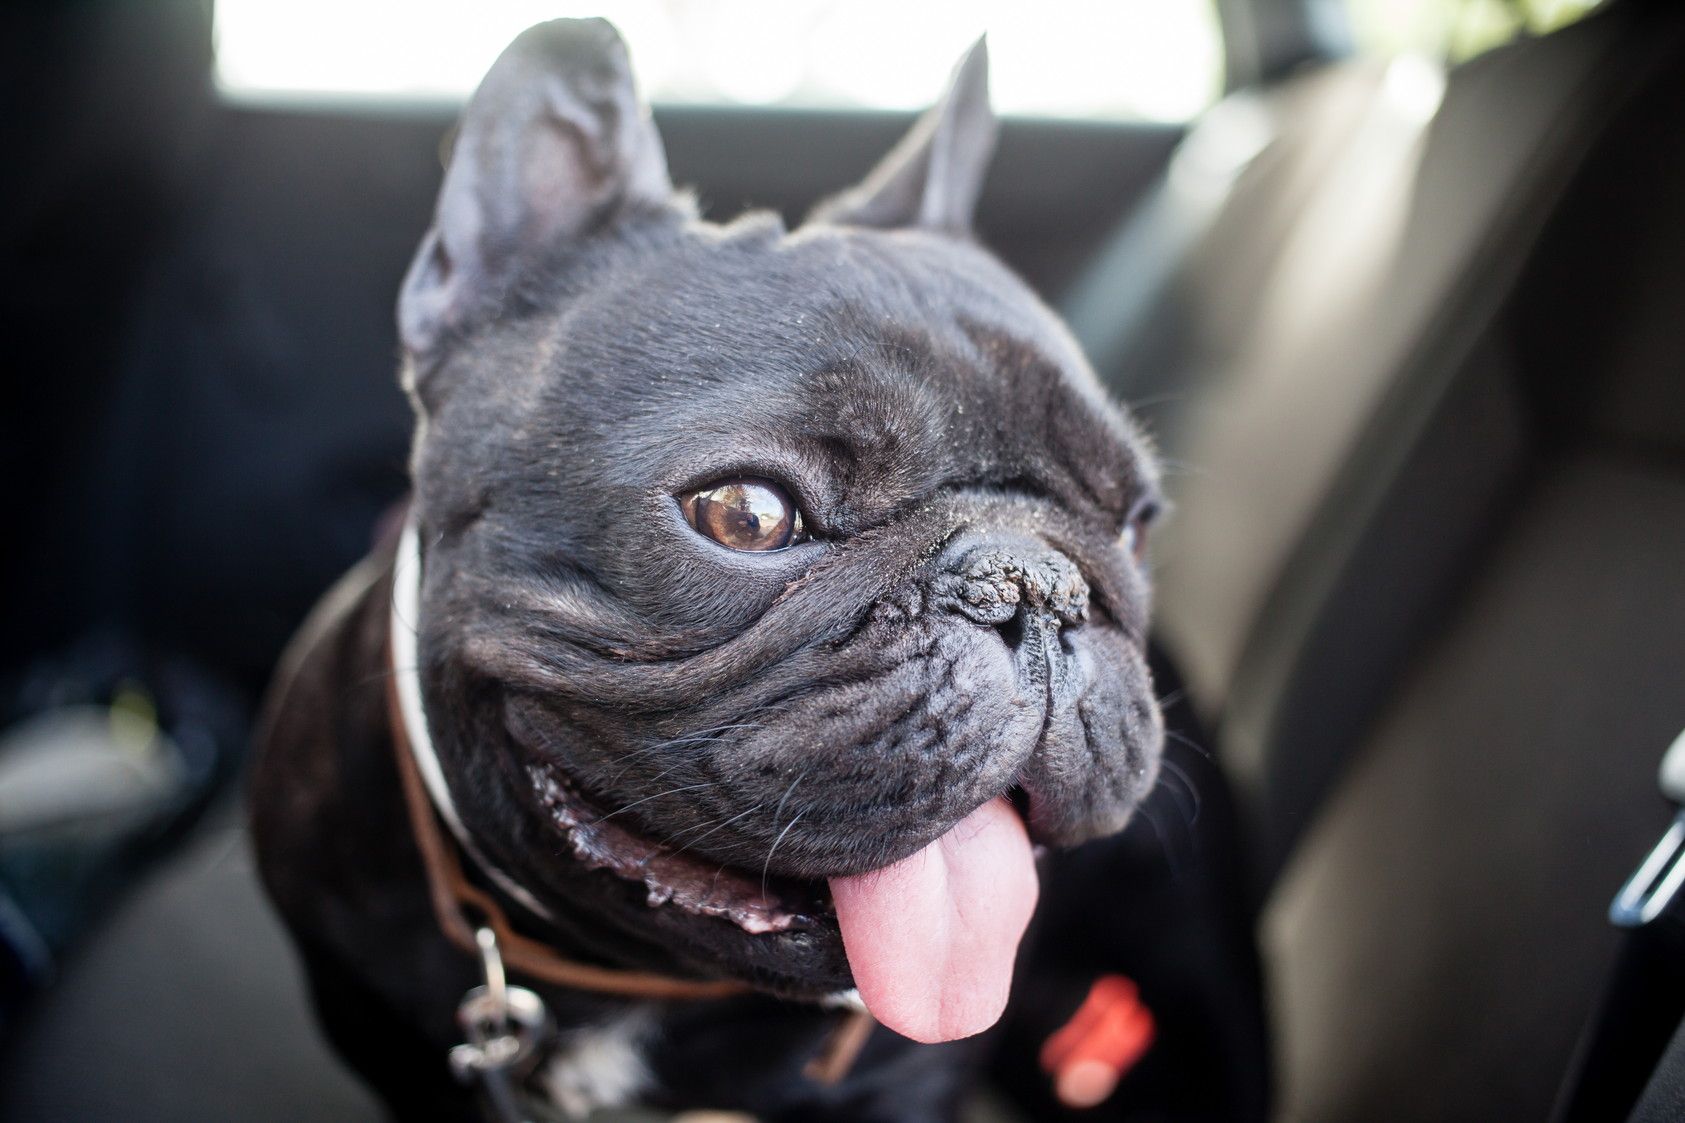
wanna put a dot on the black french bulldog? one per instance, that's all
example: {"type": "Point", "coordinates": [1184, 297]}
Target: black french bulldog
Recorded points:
{"type": "Point", "coordinates": [779, 597]}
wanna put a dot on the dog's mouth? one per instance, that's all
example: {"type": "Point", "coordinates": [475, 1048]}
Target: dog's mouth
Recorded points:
{"type": "Point", "coordinates": [757, 903]}
{"type": "Point", "coordinates": [930, 939]}
{"type": "Point", "coordinates": [672, 877]}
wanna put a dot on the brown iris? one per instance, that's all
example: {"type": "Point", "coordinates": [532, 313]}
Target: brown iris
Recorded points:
{"type": "Point", "coordinates": [753, 515]}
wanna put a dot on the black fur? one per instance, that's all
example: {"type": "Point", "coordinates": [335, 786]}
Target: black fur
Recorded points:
{"type": "Point", "coordinates": [966, 620]}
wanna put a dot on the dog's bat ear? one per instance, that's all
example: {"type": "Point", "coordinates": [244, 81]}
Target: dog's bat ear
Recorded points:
{"type": "Point", "coordinates": [554, 144]}
{"type": "Point", "coordinates": [933, 177]}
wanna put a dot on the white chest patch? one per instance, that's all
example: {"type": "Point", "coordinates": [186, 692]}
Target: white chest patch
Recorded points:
{"type": "Point", "coordinates": [599, 1066]}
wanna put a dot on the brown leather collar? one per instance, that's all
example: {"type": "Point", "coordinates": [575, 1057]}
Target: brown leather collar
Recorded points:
{"type": "Point", "coordinates": [455, 898]}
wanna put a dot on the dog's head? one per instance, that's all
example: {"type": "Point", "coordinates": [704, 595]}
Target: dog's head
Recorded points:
{"type": "Point", "coordinates": [755, 559]}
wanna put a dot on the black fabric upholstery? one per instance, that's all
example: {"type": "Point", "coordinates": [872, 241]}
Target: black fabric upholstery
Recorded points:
{"type": "Point", "coordinates": [190, 1006]}
{"type": "Point", "coordinates": [1357, 308]}
{"type": "Point", "coordinates": [1440, 937]}
{"type": "Point", "coordinates": [1378, 527]}
{"type": "Point", "coordinates": [1439, 940]}
{"type": "Point", "coordinates": [1309, 323]}
{"type": "Point", "coordinates": [1432, 517]}
{"type": "Point", "coordinates": [1664, 1100]}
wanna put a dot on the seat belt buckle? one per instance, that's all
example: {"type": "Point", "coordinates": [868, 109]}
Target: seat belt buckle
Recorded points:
{"type": "Point", "coordinates": [1655, 885]}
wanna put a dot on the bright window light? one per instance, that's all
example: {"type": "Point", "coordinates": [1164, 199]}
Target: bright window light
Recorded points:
{"type": "Point", "coordinates": [1131, 59]}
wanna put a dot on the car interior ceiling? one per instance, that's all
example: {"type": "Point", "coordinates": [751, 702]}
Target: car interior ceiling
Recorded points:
{"type": "Point", "coordinates": [1409, 340]}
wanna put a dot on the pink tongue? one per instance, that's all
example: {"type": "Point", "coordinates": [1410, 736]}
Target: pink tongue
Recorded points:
{"type": "Point", "coordinates": [931, 939]}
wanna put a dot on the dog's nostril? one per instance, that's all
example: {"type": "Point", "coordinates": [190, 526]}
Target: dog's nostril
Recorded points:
{"type": "Point", "coordinates": [1020, 800]}
{"type": "Point", "coordinates": [1050, 628]}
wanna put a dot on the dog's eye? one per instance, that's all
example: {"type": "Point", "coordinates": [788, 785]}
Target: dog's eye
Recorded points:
{"type": "Point", "coordinates": [751, 515]}
{"type": "Point", "coordinates": [1135, 530]}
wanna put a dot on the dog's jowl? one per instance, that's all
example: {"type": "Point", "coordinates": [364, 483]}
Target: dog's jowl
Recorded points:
{"type": "Point", "coordinates": [769, 604]}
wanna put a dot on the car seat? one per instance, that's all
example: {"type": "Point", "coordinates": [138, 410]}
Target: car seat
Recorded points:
{"type": "Point", "coordinates": [1424, 572]}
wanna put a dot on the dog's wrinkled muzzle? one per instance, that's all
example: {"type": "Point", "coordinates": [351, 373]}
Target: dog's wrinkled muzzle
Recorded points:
{"type": "Point", "coordinates": [1029, 592]}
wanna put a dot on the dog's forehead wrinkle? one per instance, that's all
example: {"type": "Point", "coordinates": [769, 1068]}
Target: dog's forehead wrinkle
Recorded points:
{"type": "Point", "coordinates": [920, 418]}
{"type": "Point", "coordinates": [1097, 454]}
{"type": "Point", "coordinates": [745, 287]}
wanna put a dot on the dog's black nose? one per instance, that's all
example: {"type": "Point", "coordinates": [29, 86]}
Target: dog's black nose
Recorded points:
{"type": "Point", "coordinates": [1019, 586]}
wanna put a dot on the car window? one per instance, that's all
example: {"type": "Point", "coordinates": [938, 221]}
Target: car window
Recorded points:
{"type": "Point", "coordinates": [1155, 60]}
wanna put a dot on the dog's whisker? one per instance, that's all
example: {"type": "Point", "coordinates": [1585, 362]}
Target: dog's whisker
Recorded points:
{"type": "Point", "coordinates": [1170, 397]}
{"type": "Point", "coordinates": [776, 814]}
{"type": "Point", "coordinates": [636, 755]}
{"type": "Point", "coordinates": [766, 867]}
{"type": "Point", "coordinates": [717, 825]}
{"type": "Point", "coordinates": [632, 758]}
{"type": "Point", "coordinates": [785, 798]}
{"type": "Point", "coordinates": [658, 795]}
{"type": "Point", "coordinates": [701, 739]}
{"type": "Point", "coordinates": [640, 755]}
{"type": "Point", "coordinates": [658, 777]}
{"type": "Point", "coordinates": [1171, 858]}
{"type": "Point", "coordinates": [1176, 772]}
{"type": "Point", "coordinates": [712, 730]}
{"type": "Point", "coordinates": [1182, 468]}
{"type": "Point", "coordinates": [1183, 739]}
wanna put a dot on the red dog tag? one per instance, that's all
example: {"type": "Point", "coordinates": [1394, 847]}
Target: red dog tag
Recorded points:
{"type": "Point", "coordinates": [1108, 1034]}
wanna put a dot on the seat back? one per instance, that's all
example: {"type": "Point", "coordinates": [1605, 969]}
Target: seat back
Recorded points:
{"type": "Point", "coordinates": [1426, 571]}
{"type": "Point", "coordinates": [1438, 938]}
{"type": "Point", "coordinates": [1293, 351]}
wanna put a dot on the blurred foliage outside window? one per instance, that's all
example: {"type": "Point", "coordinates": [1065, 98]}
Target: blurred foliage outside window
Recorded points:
{"type": "Point", "coordinates": [1456, 30]}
